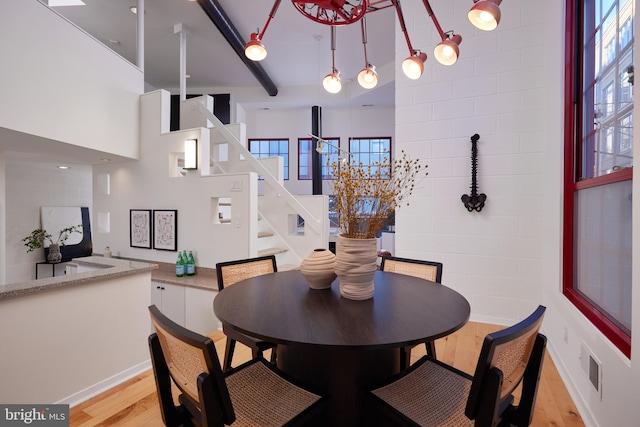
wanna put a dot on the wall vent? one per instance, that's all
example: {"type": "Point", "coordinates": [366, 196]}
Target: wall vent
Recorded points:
{"type": "Point", "coordinates": [592, 368]}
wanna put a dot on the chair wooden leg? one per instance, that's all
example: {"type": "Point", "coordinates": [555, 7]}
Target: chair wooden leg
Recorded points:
{"type": "Point", "coordinates": [256, 352]}
{"type": "Point", "coordinates": [431, 348]}
{"type": "Point", "coordinates": [273, 355]}
{"type": "Point", "coordinates": [405, 357]}
{"type": "Point", "coordinates": [228, 354]}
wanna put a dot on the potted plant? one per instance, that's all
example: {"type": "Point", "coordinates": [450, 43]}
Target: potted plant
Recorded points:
{"type": "Point", "coordinates": [37, 237]}
{"type": "Point", "coordinates": [366, 198]}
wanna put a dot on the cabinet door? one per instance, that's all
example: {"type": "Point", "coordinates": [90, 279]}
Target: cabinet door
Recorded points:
{"type": "Point", "coordinates": [199, 311]}
{"type": "Point", "coordinates": [156, 294]}
{"type": "Point", "coordinates": [170, 300]}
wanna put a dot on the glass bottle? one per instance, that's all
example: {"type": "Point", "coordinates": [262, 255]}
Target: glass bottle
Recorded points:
{"type": "Point", "coordinates": [180, 265]}
{"type": "Point", "coordinates": [191, 264]}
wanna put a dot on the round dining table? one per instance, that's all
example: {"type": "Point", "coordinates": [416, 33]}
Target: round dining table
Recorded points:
{"type": "Point", "coordinates": [337, 346]}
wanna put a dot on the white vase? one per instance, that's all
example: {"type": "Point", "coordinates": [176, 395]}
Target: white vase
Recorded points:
{"type": "Point", "coordinates": [317, 268]}
{"type": "Point", "coordinates": [356, 266]}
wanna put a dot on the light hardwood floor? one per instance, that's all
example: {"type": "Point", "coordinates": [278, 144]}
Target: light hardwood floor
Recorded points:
{"type": "Point", "coordinates": [134, 402]}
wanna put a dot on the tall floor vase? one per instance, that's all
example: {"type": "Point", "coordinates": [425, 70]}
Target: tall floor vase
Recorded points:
{"type": "Point", "coordinates": [355, 266]}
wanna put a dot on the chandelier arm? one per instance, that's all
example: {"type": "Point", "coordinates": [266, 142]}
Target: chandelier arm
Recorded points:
{"type": "Point", "coordinates": [396, 4]}
{"type": "Point", "coordinates": [271, 15]}
{"type": "Point", "coordinates": [333, 49]}
{"type": "Point", "coordinates": [434, 19]}
{"type": "Point", "coordinates": [364, 40]}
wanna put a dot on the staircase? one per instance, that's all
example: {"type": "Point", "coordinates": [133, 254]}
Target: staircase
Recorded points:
{"type": "Point", "coordinates": [274, 225]}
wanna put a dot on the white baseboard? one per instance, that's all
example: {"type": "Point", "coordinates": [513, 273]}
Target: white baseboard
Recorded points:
{"type": "Point", "coordinates": [106, 384]}
{"type": "Point", "coordinates": [492, 320]}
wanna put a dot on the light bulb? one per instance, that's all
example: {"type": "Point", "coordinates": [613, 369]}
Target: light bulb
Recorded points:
{"type": "Point", "coordinates": [368, 78]}
{"type": "Point", "coordinates": [413, 66]}
{"type": "Point", "coordinates": [485, 14]}
{"type": "Point", "coordinates": [446, 52]}
{"type": "Point", "coordinates": [254, 49]}
{"type": "Point", "coordinates": [332, 83]}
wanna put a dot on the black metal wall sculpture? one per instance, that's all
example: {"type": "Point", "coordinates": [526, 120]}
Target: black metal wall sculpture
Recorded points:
{"type": "Point", "coordinates": [475, 201]}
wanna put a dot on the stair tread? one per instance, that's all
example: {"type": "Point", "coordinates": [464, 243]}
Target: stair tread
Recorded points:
{"type": "Point", "coordinates": [271, 251]}
{"type": "Point", "coordinates": [264, 234]}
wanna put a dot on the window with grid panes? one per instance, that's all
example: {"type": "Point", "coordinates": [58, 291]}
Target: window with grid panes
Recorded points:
{"type": "Point", "coordinates": [369, 151]}
{"type": "Point", "coordinates": [271, 148]}
{"type": "Point", "coordinates": [598, 164]}
{"type": "Point", "coordinates": [329, 156]}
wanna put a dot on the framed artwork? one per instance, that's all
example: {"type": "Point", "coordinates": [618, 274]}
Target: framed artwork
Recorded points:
{"type": "Point", "coordinates": [140, 228]}
{"type": "Point", "coordinates": [165, 230]}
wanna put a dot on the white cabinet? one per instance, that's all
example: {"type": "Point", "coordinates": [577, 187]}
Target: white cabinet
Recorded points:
{"type": "Point", "coordinates": [187, 306]}
{"type": "Point", "coordinates": [199, 311]}
{"type": "Point", "coordinates": [170, 300]}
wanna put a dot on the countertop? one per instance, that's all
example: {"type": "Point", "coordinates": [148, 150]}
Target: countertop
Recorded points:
{"type": "Point", "coordinates": [205, 278]}
{"type": "Point", "coordinates": [107, 268]}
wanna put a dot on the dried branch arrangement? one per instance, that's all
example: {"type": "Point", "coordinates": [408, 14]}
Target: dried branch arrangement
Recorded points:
{"type": "Point", "coordinates": [366, 196]}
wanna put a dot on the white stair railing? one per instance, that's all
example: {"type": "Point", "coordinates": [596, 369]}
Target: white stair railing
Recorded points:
{"type": "Point", "coordinates": [312, 221]}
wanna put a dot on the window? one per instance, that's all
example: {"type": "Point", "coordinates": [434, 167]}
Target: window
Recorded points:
{"type": "Point", "coordinates": [329, 156]}
{"type": "Point", "coordinates": [271, 148]}
{"type": "Point", "coordinates": [598, 164]}
{"type": "Point", "coordinates": [370, 150]}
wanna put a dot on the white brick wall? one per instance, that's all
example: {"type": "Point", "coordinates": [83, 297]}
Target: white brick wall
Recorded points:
{"type": "Point", "coordinates": [494, 90]}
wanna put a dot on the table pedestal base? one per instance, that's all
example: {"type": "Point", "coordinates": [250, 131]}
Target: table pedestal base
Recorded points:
{"type": "Point", "coordinates": [344, 375]}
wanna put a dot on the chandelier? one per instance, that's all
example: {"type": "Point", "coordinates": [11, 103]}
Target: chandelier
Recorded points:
{"type": "Point", "coordinates": [484, 15]}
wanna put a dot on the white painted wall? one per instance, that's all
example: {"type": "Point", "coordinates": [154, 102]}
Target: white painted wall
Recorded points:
{"type": "Point", "coordinates": [30, 186]}
{"type": "Point", "coordinates": [507, 87]}
{"type": "Point", "coordinates": [150, 184]}
{"type": "Point", "coordinates": [65, 86]}
{"type": "Point", "coordinates": [67, 345]}
{"type": "Point", "coordinates": [79, 92]}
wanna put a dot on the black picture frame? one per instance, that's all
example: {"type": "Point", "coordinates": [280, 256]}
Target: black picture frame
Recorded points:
{"type": "Point", "coordinates": [165, 229]}
{"type": "Point", "coordinates": [140, 232]}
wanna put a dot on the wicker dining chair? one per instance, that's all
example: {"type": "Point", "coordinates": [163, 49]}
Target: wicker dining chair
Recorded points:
{"type": "Point", "coordinates": [428, 270]}
{"type": "Point", "coordinates": [432, 393]}
{"type": "Point", "coordinates": [253, 394]}
{"type": "Point", "coordinates": [229, 273]}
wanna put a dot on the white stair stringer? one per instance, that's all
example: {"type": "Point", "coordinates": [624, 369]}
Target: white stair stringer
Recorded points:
{"type": "Point", "coordinates": [277, 207]}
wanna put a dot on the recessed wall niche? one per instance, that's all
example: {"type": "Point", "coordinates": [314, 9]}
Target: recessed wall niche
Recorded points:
{"type": "Point", "coordinates": [221, 210]}
{"type": "Point", "coordinates": [176, 165]}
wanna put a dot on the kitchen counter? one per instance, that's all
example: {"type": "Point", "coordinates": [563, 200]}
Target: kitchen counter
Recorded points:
{"type": "Point", "coordinates": [103, 269]}
{"type": "Point", "coordinates": [91, 327]}
{"type": "Point", "coordinates": [205, 278]}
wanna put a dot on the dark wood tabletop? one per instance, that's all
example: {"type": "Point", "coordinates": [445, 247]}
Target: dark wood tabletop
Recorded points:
{"type": "Point", "coordinates": [281, 308]}
{"type": "Point", "coordinates": [338, 346]}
